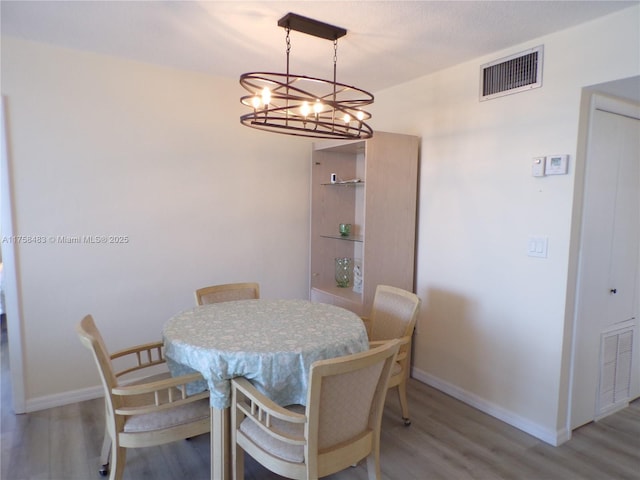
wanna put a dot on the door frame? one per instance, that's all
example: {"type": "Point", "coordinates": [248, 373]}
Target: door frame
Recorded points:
{"type": "Point", "coordinates": [10, 270]}
{"type": "Point", "coordinates": [592, 101]}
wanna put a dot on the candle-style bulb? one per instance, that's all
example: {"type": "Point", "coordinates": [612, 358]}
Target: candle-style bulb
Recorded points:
{"type": "Point", "coordinates": [305, 109]}
{"type": "Point", "coordinates": [266, 96]}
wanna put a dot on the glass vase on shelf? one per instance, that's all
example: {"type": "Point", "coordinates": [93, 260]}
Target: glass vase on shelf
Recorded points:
{"type": "Point", "coordinates": [344, 271]}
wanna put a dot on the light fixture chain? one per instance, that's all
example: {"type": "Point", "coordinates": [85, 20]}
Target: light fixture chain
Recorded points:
{"type": "Point", "coordinates": [288, 30]}
{"type": "Point", "coordinates": [288, 41]}
{"type": "Point", "coordinates": [335, 62]}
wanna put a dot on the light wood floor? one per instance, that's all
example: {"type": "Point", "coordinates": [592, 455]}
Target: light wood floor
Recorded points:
{"type": "Point", "coordinates": [447, 440]}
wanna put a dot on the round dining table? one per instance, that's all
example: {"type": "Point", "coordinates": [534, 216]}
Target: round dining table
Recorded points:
{"type": "Point", "coordinates": [272, 343]}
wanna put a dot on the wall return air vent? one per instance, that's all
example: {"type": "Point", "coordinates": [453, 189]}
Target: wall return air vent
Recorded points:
{"type": "Point", "coordinates": [512, 74]}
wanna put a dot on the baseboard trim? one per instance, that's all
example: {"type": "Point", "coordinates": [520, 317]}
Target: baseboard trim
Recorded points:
{"type": "Point", "coordinates": [74, 396]}
{"type": "Point", "coordinates": [65, 398]}
{"type": "Point", "coordinates": [551, 437]}
{"type": "Point", "coordinates": [554, 438]}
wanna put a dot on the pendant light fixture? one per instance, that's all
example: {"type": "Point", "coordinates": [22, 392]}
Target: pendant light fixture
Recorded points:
{"type": "Point", "coordinates": [302, 105]}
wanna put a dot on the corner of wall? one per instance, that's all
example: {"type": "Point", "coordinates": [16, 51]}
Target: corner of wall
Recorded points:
{"type": "Point", "coordinates": [552, 437]}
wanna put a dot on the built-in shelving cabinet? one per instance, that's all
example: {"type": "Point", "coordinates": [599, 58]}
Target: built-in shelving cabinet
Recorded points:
{"type": "Point", "coordinates": [375, 191]}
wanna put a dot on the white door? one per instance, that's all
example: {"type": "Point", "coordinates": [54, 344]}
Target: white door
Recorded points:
{"type": "Point", "coordinates": [606, 368]}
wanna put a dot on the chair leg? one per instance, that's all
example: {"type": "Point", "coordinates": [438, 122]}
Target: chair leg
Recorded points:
{"type": "Point", "coordinates": [373, 466]}
{"type": "Point", "coordinates": [238, 462]}
{"type": "Point", "coordinates": [118, 459]}
{"type": "Point", "coordinates": [105, 455]}
{"type": "Point", "coordinates": [402, 393]}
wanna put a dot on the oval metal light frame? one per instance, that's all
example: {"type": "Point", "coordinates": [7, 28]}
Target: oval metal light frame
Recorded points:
{"type": "Point", "coordinates": [341, 115]}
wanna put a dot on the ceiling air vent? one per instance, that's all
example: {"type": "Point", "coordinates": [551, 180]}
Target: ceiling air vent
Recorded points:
{"type": "Point", "coordinates": [512, 74]}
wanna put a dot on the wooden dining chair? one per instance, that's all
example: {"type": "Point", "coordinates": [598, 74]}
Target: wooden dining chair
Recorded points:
{"type": "Point", "coordinates": [393, 315]}
{"type": "Point", "coordinates": [144, 413]}
{"type": "Point", "coordinates": [227, 292]}
{"type": "Point", "coordinates": [339, 426]}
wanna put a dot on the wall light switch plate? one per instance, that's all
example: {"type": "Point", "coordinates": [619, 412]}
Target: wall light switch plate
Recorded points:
{"type": "Point", "coordinates": [538, 246]}
{"type": "Point", "coordinates": [537, 167]}
{"type": "Point", "coordinates": [556, 165]}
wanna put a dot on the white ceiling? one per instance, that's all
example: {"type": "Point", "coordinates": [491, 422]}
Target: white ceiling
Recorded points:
{"type": "Point", "coordinates": [388, 42]}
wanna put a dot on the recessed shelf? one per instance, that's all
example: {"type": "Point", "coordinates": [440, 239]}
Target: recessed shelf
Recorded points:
{"type": "Point", "coordinates": [347, 292]}
{"type": "Point", "coordinates": [349, 238]}
{"type": "Point", "coordinates": [343, 184]}
{"type": "Point", "coordinates": [384, 210]}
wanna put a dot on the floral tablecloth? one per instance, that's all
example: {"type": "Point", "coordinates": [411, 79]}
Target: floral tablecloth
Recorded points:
{"type": "Point", "coordinates": [270, 342]}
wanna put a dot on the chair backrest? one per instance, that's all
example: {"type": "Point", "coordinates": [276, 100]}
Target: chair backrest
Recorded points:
{"type": "Point", "coordinates": [227, 292]}
{"type": "Point", "coordinates": [394, 313]}
{"type": "Point", "coordinates": [344, 405]}
{"type": "Point", "coordinates": [92, 339]}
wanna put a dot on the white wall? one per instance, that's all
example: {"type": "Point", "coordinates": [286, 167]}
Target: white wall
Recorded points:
{"type": "Point", "coordinates": [104, 146]}
{"type": "Point", "coordinates": [492, 327]}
